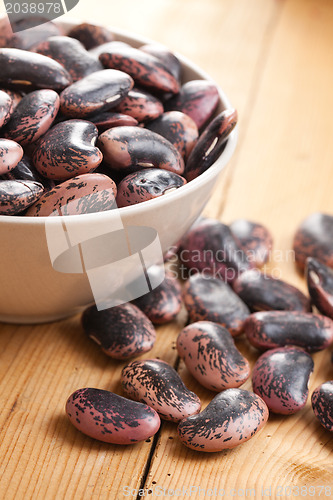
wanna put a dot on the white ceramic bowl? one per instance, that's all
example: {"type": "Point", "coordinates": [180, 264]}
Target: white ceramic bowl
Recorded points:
{"type": "Point", "coordinates": [33, 291]}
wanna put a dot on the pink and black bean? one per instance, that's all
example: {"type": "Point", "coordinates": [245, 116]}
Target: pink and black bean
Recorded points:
{"type": "Point", "coordinates": [162, 304]}
{"type": "Point", "coordinates": [262, 292]}
{"type": "Point", "coordinates": [6, 107]}
{"type": "Point", "coordinates": [141, 105]}
{"type": "Point", "coordinates": [122, 331]}
{"type": "Point", "coordinates": [280, 377]}
{"type": "Point", "coordinates": [33, 116]}
{"type": "Point", "coordinates": [322, 404]}
{"type": "Point", "coordinates": [16, 195]}
{"type": "Point", "coordinates": [211, 356]}
{"type": "Point", "coordinates": [270, 329]}
{"type": "Point", "coordinates": [210, 299]}
{"type": "Point", "coordinates": [254, 238]}
{"type": "Point", "coordinates": [146, 185]}
{"type": "Point", "coordinates": [108, 417]}
{"type": "Point", "coordinates": [21, 69]}
{"type": "Point", "coordinates": [67, 150]}
{"type": "Point", "coordinates": [231, 418]}
{"type": "Point", "coordinates": [210, 247]}
{"type": "Point", "coordinates": [91, 35]}
{"type": "Point", "coordinates": [157, 384]}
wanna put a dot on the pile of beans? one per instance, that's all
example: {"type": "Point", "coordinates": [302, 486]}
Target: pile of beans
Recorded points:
{"type": "Point", "coordinates": [226, 295]}
{"type": "Point", "coordinates": [88, 123]}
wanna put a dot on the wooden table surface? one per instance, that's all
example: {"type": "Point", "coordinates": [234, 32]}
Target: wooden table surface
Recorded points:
{"type": "Point", "coordinates": [274, 59]}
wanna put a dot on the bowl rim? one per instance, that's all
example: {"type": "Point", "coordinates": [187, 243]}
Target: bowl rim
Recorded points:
{"type": "Point", "coordinates": [213, 171]}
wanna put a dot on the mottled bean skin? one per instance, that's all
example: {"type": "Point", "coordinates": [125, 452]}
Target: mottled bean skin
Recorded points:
{"type": "Point", "coordinates": [6, 108]}
{"type": "Point", "coordinates": [16, 196]}
{"type": "Point", "coordinates": [91, 35]}
{"type": "Point", "coordinates": [68, 150]}
{"type": "Point", "coordinates": [211, 356]}
{"type": "Point", "coordinates": [26, 70]}
{"type": "Point", "coordinates": [140, 105]}
{"type": "Point", "coordinates": [145, 69]}
{"type": "Point", "coordinates": [108, 417]}
{"type": "Point", "coordinates": [122, 331]}
{"type": "Point", "coordinates": [95, 93]}
{"type": "Point", "coordinates": [109, 119]}
{"type": "Point", "coordinates": [209, 247]}
{"type": "Point", "coordinates": [163, 303]}
{"type": "Point", "coordinates": [270, 329]}
{"type": "Point", "coordinates": [314, 238]}
{"type": "Point", "coordinates": [210, 299]}
{"type": "Point", "coordinates": [255, 239]}
{"type": "Point", "coordinates": [22, 36]}
{"type": "Point", "coordinates": [177, 128]}
{"type": "Point", "coordinates": [157, 384]}
{"type": "Point", "coordinates": [168, 58]}
{"type": "Point", "coordinates": [320, 285]}
{"type": "Point", "coordinates": [33, 116]}
{"type": "Point", "coordinates": [71, 54]}
{"type": "Point", "coordinates": [322, 404]}
{"type": "Point", "coordinates": [210, 144]}
{"type": "Point", "coordinates": [146, 185]}
{"type": "Point", "coordinates": [280, 377]}
{"type": "Point", "coordinates": [197, 99]}
{"type": "Point", "coordinates": [231, 418]}
{"type": "Point", "coordinates": [262, 292]}
{"type": "Point", "coordinates": [84, 194]}
{"type": "Point", "coordinates": [10, 154]}
{"type": "Point", "coordinates": [134, 148]}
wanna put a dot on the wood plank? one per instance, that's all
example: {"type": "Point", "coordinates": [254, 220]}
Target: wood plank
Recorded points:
{"type": "Point", "coordinates": [277, 181]}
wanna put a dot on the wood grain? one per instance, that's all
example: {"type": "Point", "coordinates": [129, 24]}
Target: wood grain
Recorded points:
{"type": "Point", "coordinates": [274, 60]}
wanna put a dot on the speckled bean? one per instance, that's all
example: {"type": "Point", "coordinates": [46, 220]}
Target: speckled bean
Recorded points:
{"type": "Point", "coordinates": [10, 154]}
{"type": "Point", "coordinates": [91, 35]}
{"type": "Point", "coordinates": [163, 303]}
{"type": "Point", "coordinates": [84, 194]}
{"type": "Point", "coordinates": [210, 299]}
{"type": "Point", "coordinates": [108, 417]}
{"type": "Point", "coordinates": [71, 54]}
{"type": "Point", "coordinates": [140, 105]}
{"type": "Point", "coordinates": [33, 116]}
{"type": "Point", "coordinates": [231, 418]}
{"type": "Point", "coordinates": [6, 108]}
{"type": "Point", "coordinates": [68, 149]}
{"type": "Point", "coordinates": [210, 354]}
{"type": "Point", "coordinates": [95, 93]}
{"type": "Point", "coordinates": [197, 99]}
{"type": "Point", "coordinates": [322, 404]}
{"type": "Point", "coordinates": [156, 383]}
{"type": "Point", "coordinates": [16, 196]}
{"type": "Point", "coordinates": [280, 377]}
{"type": "Point", "coordinates": [122, 331]}
{"type": "Point", "coordinates": [168, 58]}
{"type": "Point", "coordinates": [320, 285]}
{"type": "Point", "coordinates": [262, 292]}
{"type": "Point", "coordinates": [146, 69]}
{"type": "Point", "coordinates": [314, 238]}
{"type": "Point", "coordinates": [177, 128]}
{"type": "Point", "coordinates": [209, 247]}
{"type": "Point", "coordinates": [270, 329]}
{"type": "Point", "coordinates": [134, 148]}
{"type": "Point", "coordinates": [146, 185]}
{"type": "Point", "coordinates": [210, 144]}
{"type": "Point", "coordinates": [15, 96]}
{"type": "Point", "coordinates": [26, 70]}
{"type": "Point", "coordinates": [254, 238]}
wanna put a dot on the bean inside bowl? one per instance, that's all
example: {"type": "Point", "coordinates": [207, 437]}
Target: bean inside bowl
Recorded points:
{"type": "Point", "coordinates": [35, 290]}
